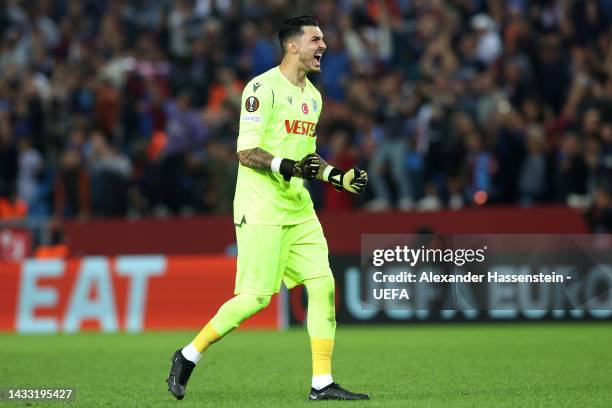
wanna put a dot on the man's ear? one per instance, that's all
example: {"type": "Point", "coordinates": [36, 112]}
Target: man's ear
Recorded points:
{"type": "Point", "coordinates": [292, 47]}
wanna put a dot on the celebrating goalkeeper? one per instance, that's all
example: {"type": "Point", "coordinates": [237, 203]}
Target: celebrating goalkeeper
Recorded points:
{"type": "Point", "coordinates": [278, 234]}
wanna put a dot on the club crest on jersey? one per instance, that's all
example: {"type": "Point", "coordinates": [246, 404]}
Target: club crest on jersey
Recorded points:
{"type": "Point", "coordinates": [251, 104]}
{"type": "Point", "coordinates": [304, 108]}
{"type": "Point", "coordinates": [314, 105]}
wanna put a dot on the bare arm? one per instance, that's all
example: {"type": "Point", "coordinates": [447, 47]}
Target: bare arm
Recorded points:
{"type": "Point", "coordinates": [259, 159]}
{"type": "Point", "coordinates": [256, 158]}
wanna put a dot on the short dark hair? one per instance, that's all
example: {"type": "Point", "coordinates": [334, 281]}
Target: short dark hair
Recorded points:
{"type": "Point", "coordinates": [293, 26]}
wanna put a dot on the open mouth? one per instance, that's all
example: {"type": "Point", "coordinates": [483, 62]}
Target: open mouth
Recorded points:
{"type": "Point", "coordinates": [317, 58]}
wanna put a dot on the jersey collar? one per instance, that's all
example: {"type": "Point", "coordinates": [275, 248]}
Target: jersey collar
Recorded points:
{"type": "Point", "coordinates": [293, 86]}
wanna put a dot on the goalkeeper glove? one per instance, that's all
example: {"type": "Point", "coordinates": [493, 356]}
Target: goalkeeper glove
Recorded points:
{"type": "Point", "coordinates": [353, 180]}
{"type": "Point", "coordinates": [307, 168]}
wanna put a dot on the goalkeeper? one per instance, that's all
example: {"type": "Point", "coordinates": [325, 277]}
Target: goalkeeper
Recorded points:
{"type": "Point", "coordinates": [279, 236]}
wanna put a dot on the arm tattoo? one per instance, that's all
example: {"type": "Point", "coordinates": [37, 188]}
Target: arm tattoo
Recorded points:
{"type": "Point", "coordinates": [256, 158]}
{"type": "Point", "coordinates": [322, 168]}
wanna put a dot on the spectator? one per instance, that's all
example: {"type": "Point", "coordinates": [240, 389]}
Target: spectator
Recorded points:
{"type": "Point", "coordinates": [467, 82]}
{"type": "Point", "coordinates": [30, 168]}
{"type": "Point", "coordinates": [9, 160]}
{"type": "Point", "coordinates": [258, 54]}
{"type": "Point", "coordinates": [589, 21]}
{"type": "Point", "coordinates": [186, 132]}
{"type": "Point", "coordinates": [599, 215]}
{"type": "Point", "coordinates": [481, 167]}
{"type": "Point", "coordinates": [532, 176]}
{"type": "Point", "coordinates": [336, 67]}
{"type": "Point", "coordinates": [178, 28]}
{"type": "Point", "coordinates": [488, 43]}
{"type": "Point", "coordinates": [392, 149]}
{"type": "Point", "coordinates": [110, 174]}
{"type": "Point", "coordinates": [343, 156]}
{"type": "Point", "coordinates": [552, 71]}
{"type": "Point", "coordinates": [225, 89]}
{"type": "Point", "coordinates": [572, 176]}
{"type": "Point", "coordinates": [107, 107]}
{"type": "Point", "coordinates": [72, 187]}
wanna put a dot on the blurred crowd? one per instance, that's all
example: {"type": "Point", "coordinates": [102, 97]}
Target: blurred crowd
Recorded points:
{"type": "Point", "coordinates": [130, 108]}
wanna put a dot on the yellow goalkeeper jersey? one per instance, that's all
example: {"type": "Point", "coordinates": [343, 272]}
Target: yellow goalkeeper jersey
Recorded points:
{"type": "Point", "coordinates": [280, 118]}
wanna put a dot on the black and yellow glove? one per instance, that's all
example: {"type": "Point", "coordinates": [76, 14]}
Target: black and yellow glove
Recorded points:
{"type": "Point", "coordinates": [353, 180]}
{"type": "Point", "coordinates": [307, 168]}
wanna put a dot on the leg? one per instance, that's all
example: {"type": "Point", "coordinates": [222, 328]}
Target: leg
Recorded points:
{"type": "Point", "coordinates": [308, 264]}
{"type": "Point", "coordinates": [321, 326]}
{"type": "Point", "coordinates": [230, 315]}
{"type": "Point", "coordinates": [260, 266]}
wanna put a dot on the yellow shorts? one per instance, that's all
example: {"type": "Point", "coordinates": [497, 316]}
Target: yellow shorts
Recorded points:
{"type": "Point", "coordinates": [269, 254]}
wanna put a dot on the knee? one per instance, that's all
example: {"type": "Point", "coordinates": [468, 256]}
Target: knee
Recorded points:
{"type": "Point", "coordinates": [321, 288]}
{"type": "Point", "coordinates": [263, 301]}
{"type": "Point", "coordinates": [321, 306]}
{"type": "Point", "coordinates": [259, 302]}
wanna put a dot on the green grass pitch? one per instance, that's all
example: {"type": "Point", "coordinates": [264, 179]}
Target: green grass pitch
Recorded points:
{"type": "Point", "coordinates": [492, 365]}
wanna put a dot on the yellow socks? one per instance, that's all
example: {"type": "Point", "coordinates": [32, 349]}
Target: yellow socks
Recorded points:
{"type": "Point", "coordinates": [321, 355]}
{"type": "Point", "coordinates": [321, 361]}
{"type": "Point", "coordinates": [205, 338]}
{"type": "Point", "coordinates": [321, 328]}
{"type": "Point", "coordinates": [228, 317]}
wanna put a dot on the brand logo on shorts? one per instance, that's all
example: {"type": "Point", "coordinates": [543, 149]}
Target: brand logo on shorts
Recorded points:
{"type": "Point", "coordinates": [305, 108]}
{"type": "Point", "coordinates": [251, 104]}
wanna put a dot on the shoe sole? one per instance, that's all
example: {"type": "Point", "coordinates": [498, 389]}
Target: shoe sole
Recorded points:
{"type": "Point", "coordinates": [178, 397]}
{"type": "Point", "coordinates": [311, 398]}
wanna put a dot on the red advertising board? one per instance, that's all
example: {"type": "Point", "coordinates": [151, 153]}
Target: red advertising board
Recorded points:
{"type": "Point", "coordinates": [343, 230]}
{"type": "Point", "coordinates": [122, 293]}
{"type": "Point", "coordinates": [15, 244]}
